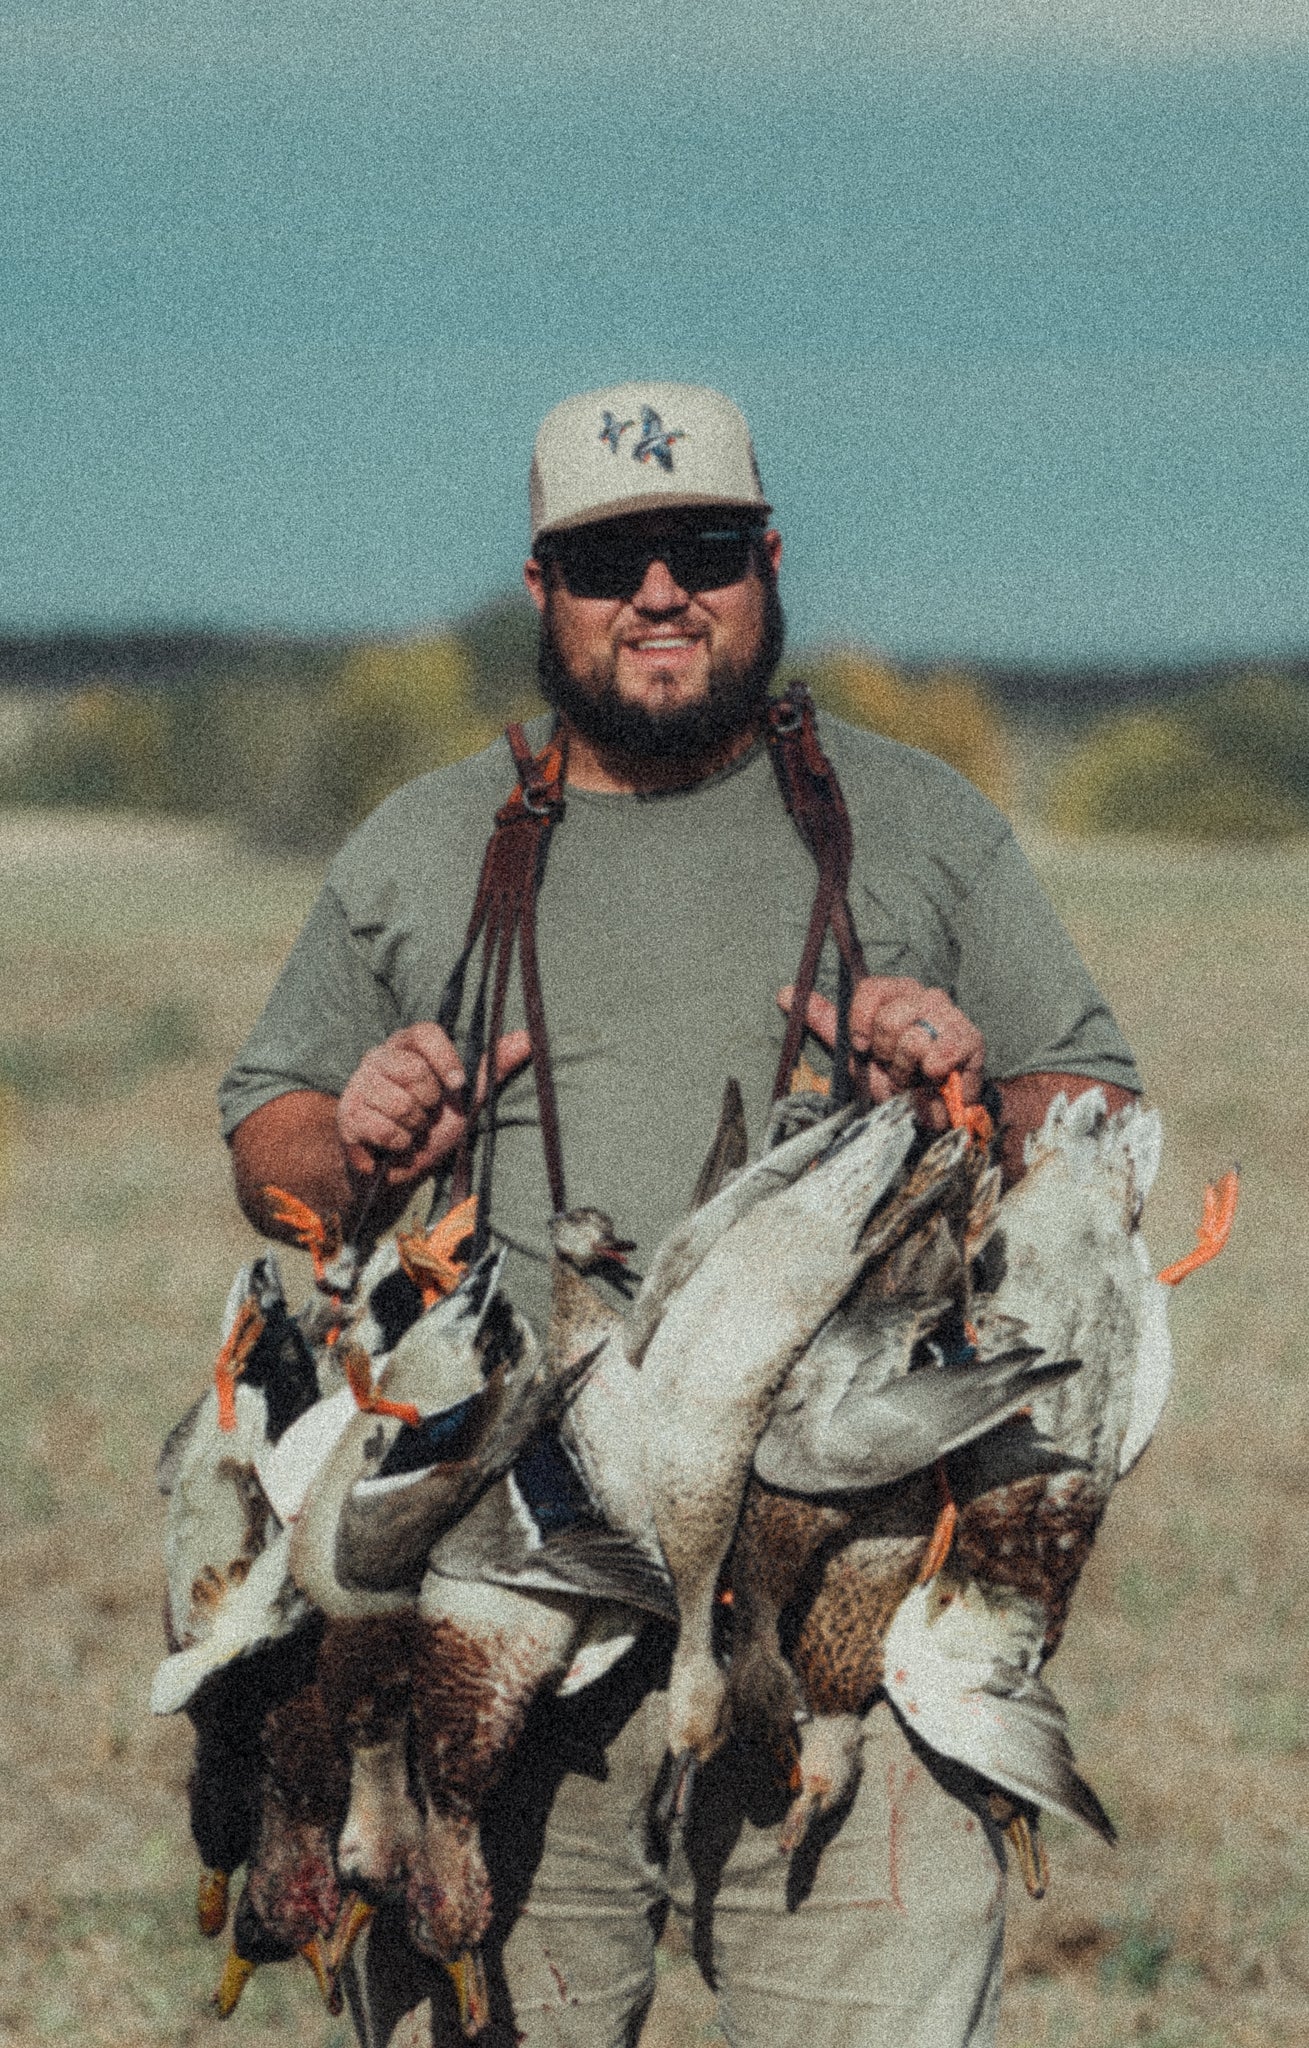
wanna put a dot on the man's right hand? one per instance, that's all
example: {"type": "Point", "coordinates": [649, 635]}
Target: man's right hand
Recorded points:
{"type": "Point", "coordinates": [401, 1112]}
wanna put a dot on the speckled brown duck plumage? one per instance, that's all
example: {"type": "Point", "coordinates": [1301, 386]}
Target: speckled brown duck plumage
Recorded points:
{"type": "Point", "coordinates": [960, 1655]}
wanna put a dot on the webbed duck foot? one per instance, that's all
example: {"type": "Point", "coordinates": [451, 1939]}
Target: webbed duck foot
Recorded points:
{"type": "Point", "coordinates": [211, 1902]}
{"type": "Point", "coordinates": [237, 1972]}
{"type": "Point", "coordinates": [1220, 1199]}
{"type": "Point", "coordinates": [468, 1975]}
{"type": "Point", "coordinates": [1021, 1828]}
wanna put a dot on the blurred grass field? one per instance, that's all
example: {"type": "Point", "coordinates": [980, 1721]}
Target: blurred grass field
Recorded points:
{"type": "Point", "coordinates": [137, 954]}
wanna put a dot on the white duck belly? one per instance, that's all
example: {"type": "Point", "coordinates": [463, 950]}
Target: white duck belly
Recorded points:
{"type": "Point", "coordinates": [721, 1350]}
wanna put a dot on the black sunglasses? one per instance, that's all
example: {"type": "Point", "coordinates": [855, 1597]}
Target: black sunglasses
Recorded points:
{"type": "Point", "coordinates": [596, 563]}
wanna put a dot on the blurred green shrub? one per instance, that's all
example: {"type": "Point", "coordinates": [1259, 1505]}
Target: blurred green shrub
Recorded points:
{"type": "Point", "coordinates": [101, 745]}
{"type": "Point", "coordinates": [398, 709]}
{"type": "Point", "coordinates": [293, 762]}
{"type": "Point", "coordinates": [945, 714]}
{"type": "Point", "coordinates": [1227, 763]}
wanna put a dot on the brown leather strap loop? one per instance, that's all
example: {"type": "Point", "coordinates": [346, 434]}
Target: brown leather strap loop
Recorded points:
{"type": "Point", "coordinates": [504, 915]}
{"type": "Point", "coordinates": [813, 798]}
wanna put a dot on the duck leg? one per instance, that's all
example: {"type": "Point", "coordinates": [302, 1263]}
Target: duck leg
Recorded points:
{"type": "Point", "coordinates": [1215, 1229]}
{"type": "Point", "coordinates": [947, 1519]}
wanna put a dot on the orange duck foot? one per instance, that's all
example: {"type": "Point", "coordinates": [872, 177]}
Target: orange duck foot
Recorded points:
{"type": "Point", "coordinates": [358, 1370]}
{"type": "Point", "coordinates": [967, 1116]}
{"type": "Point", "coordinates": [432, 1262]}
{"type": "Point", "coordinates": [230, 1363]}
{"type": "Point", "coordinates": [322, 1240]}
{"type": "Point", "coordinates": [211, 1903]}
{"type": "Point", "coordinates": [1220, 1199]}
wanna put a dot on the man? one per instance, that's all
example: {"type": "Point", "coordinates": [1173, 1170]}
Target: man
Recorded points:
{"type": "Point", "coordinates": [671, 917]}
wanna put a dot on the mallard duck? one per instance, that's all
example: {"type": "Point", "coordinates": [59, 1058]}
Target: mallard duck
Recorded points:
{"type": "Point", "coordinates": [722, 1348]}
{"type": "Point", "coordinates": [291, 1886]}
{"type": "Point", "coordinates": [960, 1654]}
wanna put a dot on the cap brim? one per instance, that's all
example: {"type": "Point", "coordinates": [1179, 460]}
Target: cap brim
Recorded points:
{"type": "Point", "coordinates": [652, 502]}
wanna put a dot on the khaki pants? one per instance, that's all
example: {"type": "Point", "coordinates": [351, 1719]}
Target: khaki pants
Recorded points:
{"type": "Point", "coordinates": [885, 1928]}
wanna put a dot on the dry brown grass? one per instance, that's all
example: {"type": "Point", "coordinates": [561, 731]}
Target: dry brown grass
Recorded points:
{"type": "Point", "coordinates": [135, 957]}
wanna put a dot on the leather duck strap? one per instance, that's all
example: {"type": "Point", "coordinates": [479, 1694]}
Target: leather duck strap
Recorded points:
{"type": "Point", "coordinates": [812, 796]}
{"type": "Point", "coordinates": [504, 916]}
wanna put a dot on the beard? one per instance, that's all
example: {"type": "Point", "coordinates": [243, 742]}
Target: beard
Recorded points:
{"type": "Point", "coordinates": [733, 701]}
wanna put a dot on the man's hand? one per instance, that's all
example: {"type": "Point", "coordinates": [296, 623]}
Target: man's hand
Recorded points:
{"type": "Point", "coordinates": [908, 1036]}
{"type": "Point", "coordinates": [399, 1116]}
{"type": "Point", "coordinates": [401, 1111]}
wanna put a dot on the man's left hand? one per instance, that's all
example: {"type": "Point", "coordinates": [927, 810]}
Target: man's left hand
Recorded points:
{"type": "Point", "coordinates": [908, 1036]}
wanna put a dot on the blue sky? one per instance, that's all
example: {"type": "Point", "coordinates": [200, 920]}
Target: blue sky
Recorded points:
{"type": "Point", "coordinates": [1014, 295]}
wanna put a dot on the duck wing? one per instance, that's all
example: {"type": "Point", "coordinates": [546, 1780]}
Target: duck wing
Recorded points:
{"type": "Point", "coordinates": [730, 1149]}
{"type": "Point", "coordinates": [266, 1606]}
{"type": "Point", "coordinates": [875, 1434]}
{"type": "Point", "coordinates": [967, 1701]}
{"type": "Point", "coordinates": [429, 1476]}
{"type": "Point", "coordinates": [538, 1532]}
{"type": "Point", "coordinates": [685, 1248]}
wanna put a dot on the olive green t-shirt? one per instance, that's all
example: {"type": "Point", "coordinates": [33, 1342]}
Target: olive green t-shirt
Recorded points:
{"type": "Point", "coordinates": [665, 927]}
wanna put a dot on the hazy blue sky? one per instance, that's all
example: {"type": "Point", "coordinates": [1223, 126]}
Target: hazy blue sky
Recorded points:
{"type": "Point", "coordinates": [1015, 295]}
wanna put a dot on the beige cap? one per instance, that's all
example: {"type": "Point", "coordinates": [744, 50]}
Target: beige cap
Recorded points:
{"type": "Point", "coordinates": [635, 447]}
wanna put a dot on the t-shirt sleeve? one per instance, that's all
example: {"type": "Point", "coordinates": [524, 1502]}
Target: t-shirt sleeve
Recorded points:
{"type": "Point", "coordinates": [327, 1008]}
{"type": "Point", "coordinates": [1024, 984]}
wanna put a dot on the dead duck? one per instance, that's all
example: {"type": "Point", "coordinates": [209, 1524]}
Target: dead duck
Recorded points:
{"type": "Point", "coordinates": [218, 1524]}
{"type": "Point", "coordinates": [724, 1343]}
{"type": "Point", "coordinates": [512, 1594]}
{"type": "Point", "coordinates": [964, 1653]}
{"type": "Point", "coordinates": [365, 1662]}
{"type": "Point", "coordinates": [960, 1653]}
{"type": "Point", "coordinates": [472, 1371]}
{"type": "Point", "coordinates": [291, 1886]}
{"type": "Point", "coordinates": [887, 1388]}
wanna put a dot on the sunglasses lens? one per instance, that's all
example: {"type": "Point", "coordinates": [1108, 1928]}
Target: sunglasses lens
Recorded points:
{"type": "Point", "coordinates": [615, 565]}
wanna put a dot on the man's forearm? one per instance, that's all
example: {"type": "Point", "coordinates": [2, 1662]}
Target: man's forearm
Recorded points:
{"type": "Point", "coordinates": [292, 1142]}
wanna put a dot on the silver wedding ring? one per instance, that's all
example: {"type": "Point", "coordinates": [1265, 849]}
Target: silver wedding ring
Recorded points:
{"type": "Point", "coordinates": [921, 1024]}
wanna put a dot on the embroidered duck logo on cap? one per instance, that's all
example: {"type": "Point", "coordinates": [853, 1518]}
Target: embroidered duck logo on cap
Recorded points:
{"type": "Point", "coordinates": [656, 439]}
{"type": "Point", "coordinates": [612, 431]}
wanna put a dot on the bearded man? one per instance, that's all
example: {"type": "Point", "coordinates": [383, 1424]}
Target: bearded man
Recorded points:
{"type": "Point", "coordinates": [671, 916]}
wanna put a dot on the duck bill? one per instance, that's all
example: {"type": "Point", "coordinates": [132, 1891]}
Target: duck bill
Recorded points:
{"type": "Point", "coordinates": [351, 1921]}
{"type": "Point", "coordinates": [468, 1975]}
{"type": "Point", "coordinates": [211, 1903]}
{"type": "Point", "coordinates": [1029, 1851]}
{"type": "Point", "coordinates": [237, 1972]}
{"type": "Point", "coordinates": [329, 1990]}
